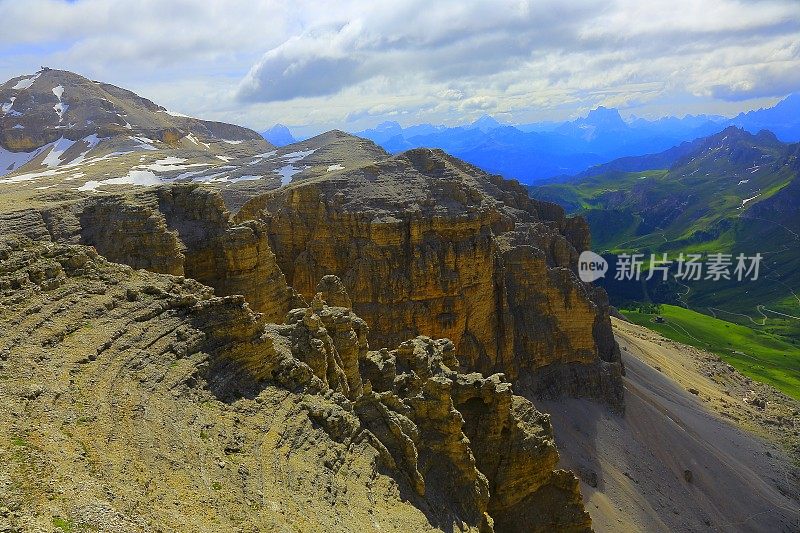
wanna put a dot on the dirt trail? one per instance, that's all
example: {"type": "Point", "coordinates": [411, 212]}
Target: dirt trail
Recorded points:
{"type": "Point", "coordinates": [676, 460]}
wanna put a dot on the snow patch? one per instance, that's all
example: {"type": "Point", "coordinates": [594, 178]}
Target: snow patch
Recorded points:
{"type": "Point", "coordinates": [245, 178]}
{"type": "Point", "coordinates": [10, 161]}
{"type": "Point", "coordinates": [53, 158]}
{"type": "Point", "coordinates": [169, 164]}
{"type": "Point", "coordinates": [60, 107]}
{"type": "Point", "coordinates": [28, 177]}
{"type": "Point", "coordinates": [174, 114]}
{"type": "Point", "coordinates": [25, 83]}
{"type": "Point", "coordinates": [170, 160]}
{"type": "Point", "coordinates": [144, 142]}
{"type": "Point", "coordinates": [211, 178]}
{"type": "Point", "coordinates": [294, 157]}
{"type": "Point", "coordinates": [112, 155]}
{"type": "Point", "coordinates": [286, 172]}
{"type": "Point", "coordinates": [91, 141]}
{"type": "Point", "coordinates": [5, 108]}
{"type": "Point", "coordinates": [197, 141]}
{"type": "Point", "coordinates": [744, 202]}
{"type": "Point", "coordinates": [260, 158]}
{"type": "Point", "coordinates": [334, 168]}
{"type": "Point", "coordinates": [231, 142]}
{"type": "Point", "coordinates": [142, 178]}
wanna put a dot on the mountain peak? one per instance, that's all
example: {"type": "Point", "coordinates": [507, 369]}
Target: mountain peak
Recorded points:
{"type": "Point", "coordinates": [733, 144]}
{"type": "Point", "coordinates": [51, 104]}
{"type": "Point", "coordinates": [605, 117]}
{"type": "Point", "coordinates": [388, 125]}
{"type": "Point", "coordinates": [486, 123]}
{"type": "Point", "coordinates": [730, 134]}
{"type": "Point", "coordinates": [279, 135]}
{"type": "Point", "coordinates": [791, 102]}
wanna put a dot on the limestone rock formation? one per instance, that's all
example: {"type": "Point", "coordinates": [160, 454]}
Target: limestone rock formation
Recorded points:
{"type": "Point", "coordinates": [507, 442]}
{"type": "Point", "coordinates": [140, 401]}
{"type": "Point", "coordinates": [184, 230]}
{"type": "Point", "coordinates": [426, 244]}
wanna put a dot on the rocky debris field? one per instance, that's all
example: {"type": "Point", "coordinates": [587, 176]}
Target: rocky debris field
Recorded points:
{"type": "Point", "coordinates": [751, 405]}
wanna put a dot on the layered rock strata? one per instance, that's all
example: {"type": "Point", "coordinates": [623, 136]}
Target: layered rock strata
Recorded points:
{"type": "Point", "coordinates": [163, 406]}
{"type": "Point", "coordinates": [182, 230]}
{"type": "Point", "coordinates": [426, 244]}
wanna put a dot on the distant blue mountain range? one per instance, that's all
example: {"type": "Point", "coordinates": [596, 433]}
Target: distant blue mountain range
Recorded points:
{"type": "Point", "coordinates": [532, 152]}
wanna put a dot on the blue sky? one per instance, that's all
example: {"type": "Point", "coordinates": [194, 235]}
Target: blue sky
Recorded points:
{"type": "Point", "coordinates": [351, 64]}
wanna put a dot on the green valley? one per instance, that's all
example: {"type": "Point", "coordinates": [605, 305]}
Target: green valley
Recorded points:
{"type": "Point", "coordinates": [733, 192]}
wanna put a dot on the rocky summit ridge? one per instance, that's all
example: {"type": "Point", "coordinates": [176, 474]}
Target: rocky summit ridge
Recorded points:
{"type": "Point", "coordinates": [426, 243]}
{"type": "Point", "coordinates": [349, 339]}
{"type": "Point", "coordinates": [50, 104]}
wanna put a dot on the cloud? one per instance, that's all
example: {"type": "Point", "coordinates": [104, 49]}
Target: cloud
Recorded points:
{"type": "Point", "coordinates": [753, 71]}
{"type": "Point", "coordinates": [146, 35]}
{"type": "Point", "coordinates": [257, 62]}
{"type": "Point", "coordinates": [450, 94]}
{"type": "Point", "coordinates": [441, 42]}
{"type": "Point", "coordinates": [453, 61]}
{"type": "Point", "coordinates": [312, 65]}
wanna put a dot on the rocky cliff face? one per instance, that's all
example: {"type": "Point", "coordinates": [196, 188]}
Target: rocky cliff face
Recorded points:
{"type": "Point", "coordinates": [183, 231]}
{"type": "Point", "coordinates": [140, 401]}
{"type": "Point", "coordinates": [426, 244]}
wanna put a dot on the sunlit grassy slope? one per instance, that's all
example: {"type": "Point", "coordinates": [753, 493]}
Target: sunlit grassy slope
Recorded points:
{"type": "Point", "coordinates": [759, 355]}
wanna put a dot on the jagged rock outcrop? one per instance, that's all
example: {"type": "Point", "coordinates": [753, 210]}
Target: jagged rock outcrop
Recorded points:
{"type": "Point", "coordinates": [333, 292]}
{"type": "Point", "coordinates": [433, 247]}
{"type": "Point", "coordinates": [183, 230]}
{"type": "Point", "coordinates": [509, 444]}
{"type": "Point", "coordinates": [426, 244]}
{"type": "Point", "coordinates": [151, 404]}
